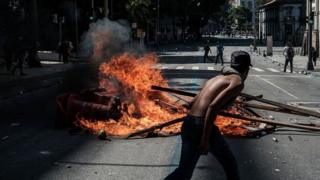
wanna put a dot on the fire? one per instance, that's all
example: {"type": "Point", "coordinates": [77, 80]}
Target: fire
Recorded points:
{"type": "Point", "coordinates": [131, 78]}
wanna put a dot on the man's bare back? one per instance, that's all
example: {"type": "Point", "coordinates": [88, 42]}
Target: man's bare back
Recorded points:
{"type": "Point", "coordinates": [211, 89]}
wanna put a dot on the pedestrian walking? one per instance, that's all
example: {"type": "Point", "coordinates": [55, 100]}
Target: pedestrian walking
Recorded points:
{"type": "Point", "coordinates": [251, 48]}
{"type": "Point", "coordinates": [66, 51]}
{"type": "Point", "coordinates": [20, 53]}
{"type": "Point", "coordinates": [60, 50]}
{"type": "Point", "coordinates": [220, 49]}
{"type": "Point", "coordinates": [32, 57]}
{"type": "Point", "coordinates": [206, 49]}
{"type": "Point", "coordinates": [314, 56]}
{"type": "Point", "coordinates": [8, 49]}
{"type": "Point", "coordinates": [199, 133]}
{"type": "Point", "coordinates": [288, 53]}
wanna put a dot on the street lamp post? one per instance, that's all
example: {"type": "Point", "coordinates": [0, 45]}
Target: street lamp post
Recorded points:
{"type": "Point", "coordinates": [76, 24]}
{"type": "Point", "coordinates": [157, 20]}
{"type": "Point", "coordinates": [254, 26]}
{"type": "Point", "coordinates": [310, 22]}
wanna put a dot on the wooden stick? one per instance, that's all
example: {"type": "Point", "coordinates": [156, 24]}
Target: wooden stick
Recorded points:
{"type": "Point", "coordinates": [152, 128]}
{"type": "Point", "coordinates": [270, 108]}
{"type": "Point", "coordinates": [267, 121]}
{"type": "Point", "coordinates": [284, 106]}
{"type": "Point", "coordinates": [175, 91]}
{"type": "Point", "coordinates": [226, 114]}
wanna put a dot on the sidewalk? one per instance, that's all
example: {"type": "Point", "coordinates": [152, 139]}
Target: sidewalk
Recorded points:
{"type": "Point", "coordinates": [299, 63]}
{"type": "Point", "coordinates": [51, 68]}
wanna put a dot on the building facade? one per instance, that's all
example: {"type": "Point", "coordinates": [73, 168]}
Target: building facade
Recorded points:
{"type": "Point", "coordinates": [315, 8]}
{"type": "Point", "coordinates": [284, 20]}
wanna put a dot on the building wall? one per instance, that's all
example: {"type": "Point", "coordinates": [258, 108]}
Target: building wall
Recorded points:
{"type": "Point", "coordinates": [283, 22]}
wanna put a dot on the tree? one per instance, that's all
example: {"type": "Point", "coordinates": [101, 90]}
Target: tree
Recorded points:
{"type": "Point", "coordinates": [140, 11]}
{"type": "Point", "coordinates": [239, 15]}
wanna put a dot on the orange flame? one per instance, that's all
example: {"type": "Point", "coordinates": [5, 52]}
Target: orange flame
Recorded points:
{"type": "Point", "coordinates": [133, 77]}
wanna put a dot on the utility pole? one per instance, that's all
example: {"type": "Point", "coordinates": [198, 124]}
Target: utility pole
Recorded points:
{"type": "Point", "coordinates": [157, 24]}
{"type": "Point", "coordinates": [35, 21]}
{"type": "Point", "coordinates": [254, 26]}
{"type": "Point", "coordinates": [76, 24]}
{"type": "Point", "coordinates": [106, 8]}
{"type": "Point", "coordinates": [310, 22]}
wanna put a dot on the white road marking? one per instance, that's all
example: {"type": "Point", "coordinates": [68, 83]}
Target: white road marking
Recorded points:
{"type": "Point", "coordinates": [273, 70]}
{"type": "Point", "coordinates": [164, 67]}
{"type": "Point", "coordinates": [210, 68]}
{"type": "Point", "coordinates": [195, 68]}
{"type": "Point", "coordinates": [295, 97]}
{"type": "Point", "coordinates": [180, 67]}
{"type": "Point", "coordinates": [258, 69]}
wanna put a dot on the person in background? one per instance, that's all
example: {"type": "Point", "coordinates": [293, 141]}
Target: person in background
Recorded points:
{"type": "Point", "coordinates": [206, 49]}
{"type": "Point", "coordinates": [66, 51]}
{"type": "Point", "coordinates": [20, 53]}
{"type": "Point", "coordinates": [8, 49]}
{"type": "Point", "coordinates": [288, 53]}
{"type": "Point", "coordinates": [32, 57]}
{"type": "Point", "coordinates": [314, 56]}
{"type": "Point", "coordinates": [219, 53]}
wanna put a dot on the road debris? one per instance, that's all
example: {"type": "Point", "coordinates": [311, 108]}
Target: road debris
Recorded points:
{"type": "Point", "coordinates": [45, 152]}
{"type": "Point", "coordinates": [290, 138]}
{"type": "Point", "coordinates": [4, 138]}
{"type": "Point", "coordinates": [277, 170]}
{"type": "Point", "coordinates": [15, 124]}
{"type": "Point", "coordinates": [275, 139]}
{"type": "Point", "coordinates": [102, 135]}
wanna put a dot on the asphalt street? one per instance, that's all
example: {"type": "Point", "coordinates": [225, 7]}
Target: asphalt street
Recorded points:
{"type": "Point", "coordinates": [34, 149]}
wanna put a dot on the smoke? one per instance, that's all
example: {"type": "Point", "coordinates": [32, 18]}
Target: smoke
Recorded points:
{"type": "Point", "coordinates": [105, 39]}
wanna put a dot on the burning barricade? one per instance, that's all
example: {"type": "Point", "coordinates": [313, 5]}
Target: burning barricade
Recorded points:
{"type": "Point", "coordinates": [130, 102]}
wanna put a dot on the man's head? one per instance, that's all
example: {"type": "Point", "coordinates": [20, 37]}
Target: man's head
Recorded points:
{"type": "Point", "coordinates": [241, 61]}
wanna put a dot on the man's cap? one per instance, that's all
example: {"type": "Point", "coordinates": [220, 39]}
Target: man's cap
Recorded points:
{"type": "Point", "coordinates": [240, 58]}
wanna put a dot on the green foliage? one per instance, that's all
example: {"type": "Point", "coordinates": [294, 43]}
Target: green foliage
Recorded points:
{"type": "Point", "coordinates": [239, 14]}
{"type": "Point", "coordinates": [140, 11]}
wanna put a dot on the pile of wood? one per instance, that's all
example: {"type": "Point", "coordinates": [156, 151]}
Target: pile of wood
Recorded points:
{"type": "Point", "coordinates": [271, 106]}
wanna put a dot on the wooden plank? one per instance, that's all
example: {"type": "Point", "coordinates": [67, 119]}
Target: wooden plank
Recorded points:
{"type": "Point", "coordinates": [267, 121]}
{"type": "Point", "coordinates": [247, 96]}
{"type": "Point", "coordinates": [271, 108]}
{"type": "Point", "coordinates": [184, 93]}
{"type": "Point", "coordinates": [281, 105]}
{"type": "Point", "coordinates": [227, 114]}
{"type": "Point", "coordinates": [155, 127]}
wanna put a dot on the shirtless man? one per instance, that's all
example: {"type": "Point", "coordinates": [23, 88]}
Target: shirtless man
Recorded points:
{"type": "Point", "coordinates": [199, 134]}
